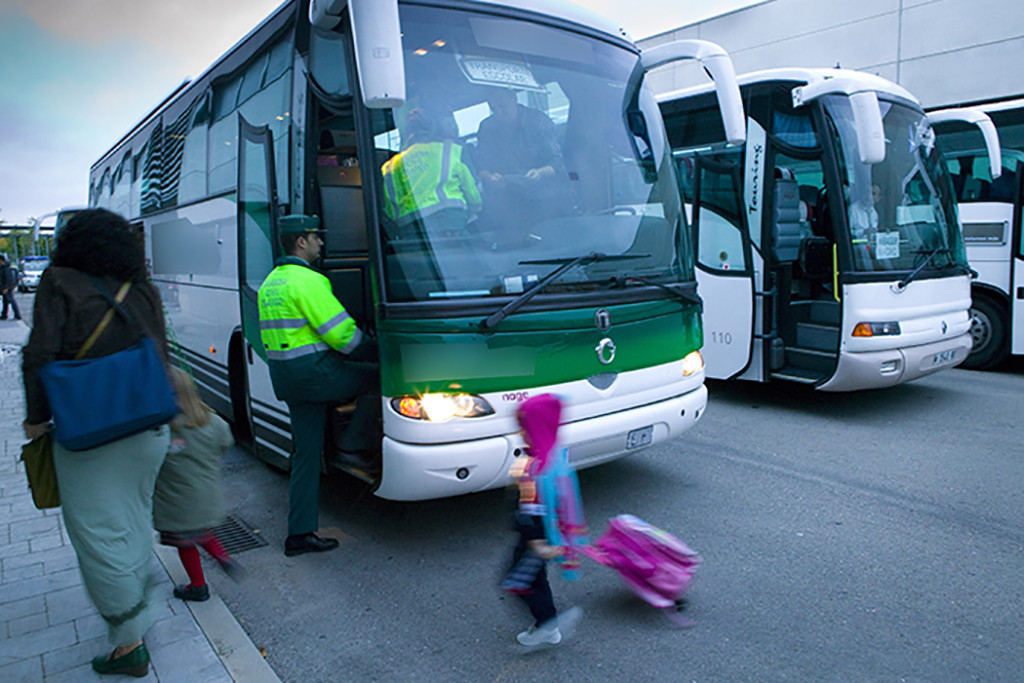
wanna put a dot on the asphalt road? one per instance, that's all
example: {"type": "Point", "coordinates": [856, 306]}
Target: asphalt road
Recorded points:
{"type": "Point", "coordinates": [864, 537]}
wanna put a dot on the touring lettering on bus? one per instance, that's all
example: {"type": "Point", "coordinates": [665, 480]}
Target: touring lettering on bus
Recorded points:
{"type": "Point", "coordinates": [755, 176]}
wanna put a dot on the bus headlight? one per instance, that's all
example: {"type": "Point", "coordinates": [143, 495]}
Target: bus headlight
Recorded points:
{"type": "Point", "coordinates": [694, 362]}
{"type": "Point", "coordinates": [441, 407]}
{"type": "Point", "coordinates": [876, 329]}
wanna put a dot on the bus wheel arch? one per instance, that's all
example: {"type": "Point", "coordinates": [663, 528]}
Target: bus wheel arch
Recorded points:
{"type": "Point", "coordinates": [990, 322]}
{"type": "Point", "coordinates": [238, 382]}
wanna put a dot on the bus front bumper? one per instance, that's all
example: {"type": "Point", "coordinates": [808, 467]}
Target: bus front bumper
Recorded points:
{"type": "Point", "coordinates": [421, 472]}
{"type": "Point", "coordinates": [879, 369]}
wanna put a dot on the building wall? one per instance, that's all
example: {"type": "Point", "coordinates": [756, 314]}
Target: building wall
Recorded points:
{"type": "Point", "coordinates": [946, 52]}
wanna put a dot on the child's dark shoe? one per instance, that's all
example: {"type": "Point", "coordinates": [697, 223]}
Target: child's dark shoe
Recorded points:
{"type": "Point", "coordinates": [134, 663]}
{"type": "Point", "coordinates": [192, 593]}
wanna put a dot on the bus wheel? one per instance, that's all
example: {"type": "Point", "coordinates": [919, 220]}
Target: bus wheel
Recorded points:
{"type": "Point", "coordinates": [988, 335]}
{"type": "Point", "coordinates": [238, 381]}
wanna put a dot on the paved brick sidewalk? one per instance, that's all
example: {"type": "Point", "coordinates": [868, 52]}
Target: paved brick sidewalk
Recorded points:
{"type": "Point", "coordinates": [49, 630]}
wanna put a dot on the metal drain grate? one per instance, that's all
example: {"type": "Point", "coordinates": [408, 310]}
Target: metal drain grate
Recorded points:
{"type": "Point", "coordinates": [236, 536]}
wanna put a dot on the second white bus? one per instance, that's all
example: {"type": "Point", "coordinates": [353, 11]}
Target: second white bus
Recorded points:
{"type": "Point", "coordinates": [828, 246]}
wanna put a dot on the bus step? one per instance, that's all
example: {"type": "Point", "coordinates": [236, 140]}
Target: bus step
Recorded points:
{"type": "Point", "coordinates": [817, 311]}
{"type": "Point", "coordinates": [811, 359]}
{"type": "Point", "coordinates": [368, 473]}
{"type": "Point", "coordinates": [799, 375]}
{"type": "Point", "coordinates": [368, 477]}
{"type": "Point", "coordinates": [819, 337]}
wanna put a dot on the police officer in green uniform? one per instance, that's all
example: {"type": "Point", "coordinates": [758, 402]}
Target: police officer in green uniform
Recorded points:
{"type": "Point", "coordinates": [314, 351]}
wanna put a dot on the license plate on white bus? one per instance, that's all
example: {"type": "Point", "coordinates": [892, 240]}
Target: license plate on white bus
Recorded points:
{"type": "Point", "coordinates": [943, 357]}
{"type": "Point", "coordinates": [640, 437]}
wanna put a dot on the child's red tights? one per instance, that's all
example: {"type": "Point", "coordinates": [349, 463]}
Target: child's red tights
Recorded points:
{"type": "Point", "coordinates": [190, 558]}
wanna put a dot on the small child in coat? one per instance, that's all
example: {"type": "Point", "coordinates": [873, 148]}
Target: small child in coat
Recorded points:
{"type": "Point", "coordinates": [187, 500]}
{"type": "Point", "coordinates": [527, 576]}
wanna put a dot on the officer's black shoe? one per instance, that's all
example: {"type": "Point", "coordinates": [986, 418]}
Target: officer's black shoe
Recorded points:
{"type": "Point", "coordinates": [308, 543]}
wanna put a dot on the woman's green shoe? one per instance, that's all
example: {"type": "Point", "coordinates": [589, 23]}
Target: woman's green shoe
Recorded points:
{"type": "Point", "coordinates": [135, 663]}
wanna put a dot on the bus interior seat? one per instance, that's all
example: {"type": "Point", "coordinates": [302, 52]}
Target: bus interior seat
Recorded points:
{"type": "Point", "coordinates": [341, 208]}
{"type": "Point", "coordinates": [816, 259]}
{"type": "Point", "coordinates": [808, 198]}
{"type": "Point", "coordinates": [788, 220]}
{"type": "Point", "coordinates": [1004, 186]}
{"type": "Point", "coordinates": [819, 213]}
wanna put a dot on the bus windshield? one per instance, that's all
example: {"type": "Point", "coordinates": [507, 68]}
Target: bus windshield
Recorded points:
{"type": "Point", "coordinates": [521, 146]}
{"type": "Point", "coordinates": [902, 210]}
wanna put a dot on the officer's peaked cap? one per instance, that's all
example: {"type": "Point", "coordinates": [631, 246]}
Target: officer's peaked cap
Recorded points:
{"type": "Point", "coordinates": [298, 223]}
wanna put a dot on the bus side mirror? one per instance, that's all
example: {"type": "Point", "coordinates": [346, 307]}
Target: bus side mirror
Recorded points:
{"type": "Point", "coordinates": [377, 39]}
{"type": "Point", "coordinates": [984, 124]}
{"type": "Point", "coordinates": [867, 118]}
{"type": "Point", "coordinates": [867, 115]}
{"type": "Point", "coordinates": [718, 65]}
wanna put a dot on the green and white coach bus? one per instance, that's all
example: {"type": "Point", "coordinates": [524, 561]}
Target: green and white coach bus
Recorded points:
{"type": "Point", "coordinates": [590, 296]}
{"type": "Point", "coordinates": [828, 247]}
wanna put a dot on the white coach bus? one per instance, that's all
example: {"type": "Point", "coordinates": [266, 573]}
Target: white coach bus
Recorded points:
{"type": "Point", "coordinates": [828, 249]}
{"type": "Point", "coordinates": [984, 148]}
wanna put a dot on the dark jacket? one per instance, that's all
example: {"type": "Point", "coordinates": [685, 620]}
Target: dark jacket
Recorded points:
{"type": "Point", "coordinates": [68, 307]}
{"type": "Point", "coordinates": [9, 277]}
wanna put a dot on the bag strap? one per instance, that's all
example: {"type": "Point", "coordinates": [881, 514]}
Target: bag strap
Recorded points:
{"type": "Point", "coordinates": [107, 317]}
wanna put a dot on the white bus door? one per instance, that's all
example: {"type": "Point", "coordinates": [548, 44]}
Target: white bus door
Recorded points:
{"type": "Point", "coordinates": [725, 278]}
{"type": "Point", "coordinates": [257, 237]}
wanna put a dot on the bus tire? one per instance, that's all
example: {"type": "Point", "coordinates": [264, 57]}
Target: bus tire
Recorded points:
{"type": "Point", "coordinates": [989, 327]}
{"type": "Point", "coordinates": [238, 381]}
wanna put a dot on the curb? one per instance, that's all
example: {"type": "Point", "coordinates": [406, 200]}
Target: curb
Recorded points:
{"type": "Point", "coordinates": [230, 642]}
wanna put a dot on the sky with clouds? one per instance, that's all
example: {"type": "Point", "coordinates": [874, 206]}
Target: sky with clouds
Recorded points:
{"type": "Point", "coordinates": [75, 75]}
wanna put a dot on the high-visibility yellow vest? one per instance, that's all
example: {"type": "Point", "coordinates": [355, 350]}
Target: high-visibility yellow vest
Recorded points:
{"type": "Point", "coordinates": [428, 177]}
{"type": "Point", "coordinates": [300, 315]}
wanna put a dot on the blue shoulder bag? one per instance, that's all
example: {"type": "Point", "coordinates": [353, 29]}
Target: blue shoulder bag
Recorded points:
{"type": "Point", "coordinates": [99, 400]}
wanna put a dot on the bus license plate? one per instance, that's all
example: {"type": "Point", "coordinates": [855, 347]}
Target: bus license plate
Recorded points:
{"type": "Point", "coordinates": [640, 437]}
{"type": "Point", "coordinates": [944, 357]}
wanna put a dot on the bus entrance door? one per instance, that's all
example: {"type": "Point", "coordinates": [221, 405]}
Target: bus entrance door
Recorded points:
{"type": "Point", "coordinates": [725, 277]}
{"type": "Point", "coordinates": [257, 240]}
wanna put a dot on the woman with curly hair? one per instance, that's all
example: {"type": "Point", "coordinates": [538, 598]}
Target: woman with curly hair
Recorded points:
{"type": "Point", "coordinates": [106, 491]}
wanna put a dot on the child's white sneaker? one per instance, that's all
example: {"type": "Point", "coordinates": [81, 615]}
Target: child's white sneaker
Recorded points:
{"type": "Point", "coordinates": [568, 621]}
{"type": "Point", "coordinates": [545, 634]}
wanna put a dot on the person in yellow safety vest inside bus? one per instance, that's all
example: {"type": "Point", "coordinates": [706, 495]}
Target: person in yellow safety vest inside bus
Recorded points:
{"type": "Point", "coordinates": [314, 351]}
{"type": "Point", "coordinates": [428, 181]}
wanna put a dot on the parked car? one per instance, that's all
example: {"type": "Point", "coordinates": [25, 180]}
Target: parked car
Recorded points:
{"type": "Point", "coordinates": [32, 268]}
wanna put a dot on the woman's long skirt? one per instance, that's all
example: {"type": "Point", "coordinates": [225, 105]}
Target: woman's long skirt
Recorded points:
{"type": "Point", "coordinates": [107, 502]}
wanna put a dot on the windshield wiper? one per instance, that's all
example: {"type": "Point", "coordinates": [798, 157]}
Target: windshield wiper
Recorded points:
{"type": "Point", "coordinates": [902, 284]}
{"type": "Point", "coordinates": [567, 264]}
{"type": "Point", "coordinates": [687, 293]}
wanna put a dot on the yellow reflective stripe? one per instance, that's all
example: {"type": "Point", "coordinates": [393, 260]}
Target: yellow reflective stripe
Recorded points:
{"type": "Point", "coordinates": [333, 322]}
{"type": "Point", "coordinates": [357, 337]}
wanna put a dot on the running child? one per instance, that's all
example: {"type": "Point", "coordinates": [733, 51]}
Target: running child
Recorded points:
{"type": "Point", "coordinates": [187, 500]}
{"type": "Point", "coordinates": [527, 578]}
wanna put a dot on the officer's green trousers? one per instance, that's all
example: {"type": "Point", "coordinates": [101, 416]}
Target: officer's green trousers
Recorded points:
{"type": "Point", "coordinates": [308, 384]}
